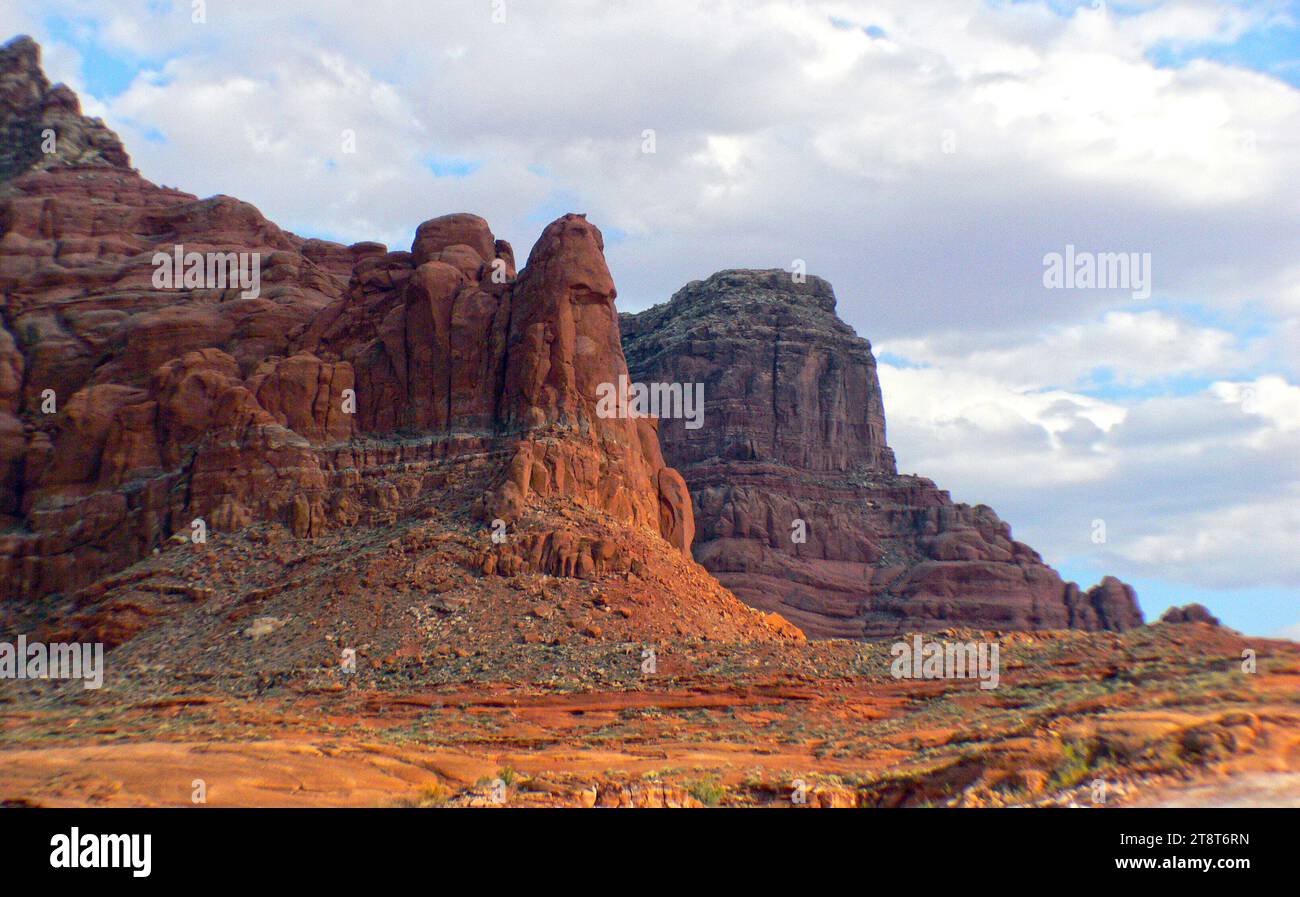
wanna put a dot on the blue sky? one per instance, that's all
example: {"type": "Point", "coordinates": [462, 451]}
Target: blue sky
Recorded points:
{"type": "Point", "coordinates": [1273, 50]}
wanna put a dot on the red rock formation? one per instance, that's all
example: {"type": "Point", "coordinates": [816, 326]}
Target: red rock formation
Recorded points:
{"type": "Point", "coordinates": [354, 385]}
{"type": "Point", "coordinates": [1190, 613]}
{"type": "Point", "coordinates": [443, 345]}
{"type": "Point", "coordinates": [563, 345]}
{"type": "Point", "coordinates": [793, 445]}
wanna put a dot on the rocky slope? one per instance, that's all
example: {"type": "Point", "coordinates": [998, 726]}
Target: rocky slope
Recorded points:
{"type": "Point", "coordinates": [793, 447]}
{"type": "Point", "coordinates": [351, 389]}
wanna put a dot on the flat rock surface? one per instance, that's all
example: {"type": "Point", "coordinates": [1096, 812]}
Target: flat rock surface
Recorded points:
{"type": "Point", "coordinates": [1251, 789]}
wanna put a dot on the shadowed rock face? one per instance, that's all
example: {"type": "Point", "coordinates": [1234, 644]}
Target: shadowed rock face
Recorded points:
{"type": "Point", "coordinates": [787, 381]}
{"type": "Point", "coordinates": [127, 411]}
{"type": "Point", "coordinates": [793, 445]}
{"type": "Point", "coordinates": [357, 385]}
{"type": "Point", "coordinates": [41, 125]}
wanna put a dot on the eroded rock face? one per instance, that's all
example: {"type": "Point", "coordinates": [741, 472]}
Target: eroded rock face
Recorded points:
{"type": "Point", "coordinates": [353, 386]}
{"type": "Point", "coordinates": [119, 401]}
{"type": "Point", "coordinates": [798, 506]}
{"type": "Point", "coordinates": [445, 341]}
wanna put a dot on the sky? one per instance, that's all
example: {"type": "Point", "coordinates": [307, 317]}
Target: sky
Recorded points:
{"type": "Point", "coordinates": [925, 158]}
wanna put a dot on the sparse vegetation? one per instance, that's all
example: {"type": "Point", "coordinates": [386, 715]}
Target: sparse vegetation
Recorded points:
{"type": "Point", "coordinates": [707, 791]}
{"type": "Point", "coordinates": [1076, 765]}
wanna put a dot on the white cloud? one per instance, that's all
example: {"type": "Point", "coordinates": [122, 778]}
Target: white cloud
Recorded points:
{"type": "Point", "coordinates": [1135, 347]}
{"type": "Point", "coordinates": [1270, 398]}
{"type": "Point", "coordinates": [1228, 547]}
{"type": "Point", "coordinates": [1202, 489]}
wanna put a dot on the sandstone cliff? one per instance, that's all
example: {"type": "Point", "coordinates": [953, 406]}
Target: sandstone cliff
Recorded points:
{"type": "Point", "coordinates": [793, 446]}
{"type": "Point", "coordinates": [354, 388]}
